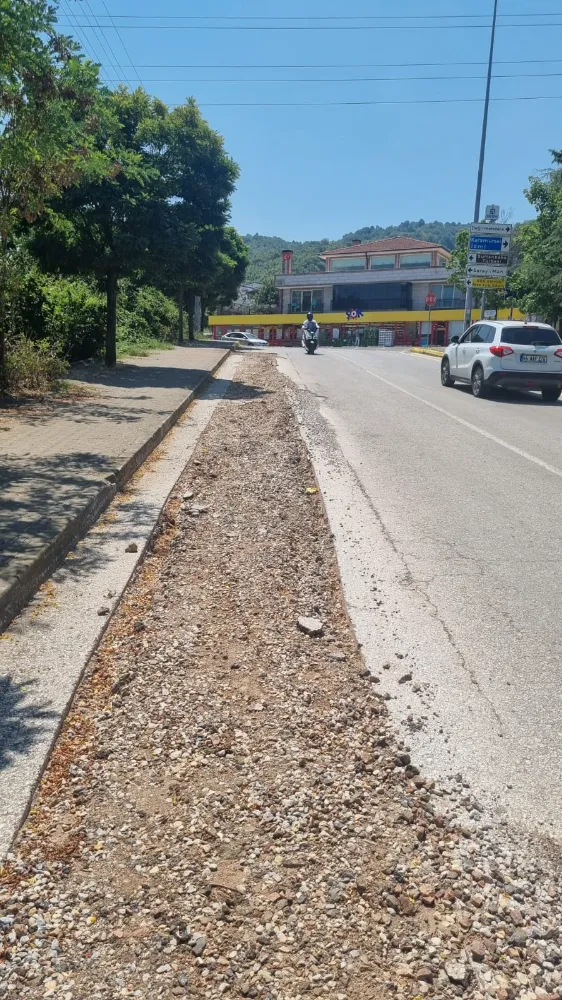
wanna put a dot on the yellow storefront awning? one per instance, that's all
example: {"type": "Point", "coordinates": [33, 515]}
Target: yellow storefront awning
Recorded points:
{"type": "Point", "coordinates": [367, 319]}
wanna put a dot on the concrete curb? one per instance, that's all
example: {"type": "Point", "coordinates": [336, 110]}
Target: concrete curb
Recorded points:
{"type": "Point", "coordinates": [27, 582]}
{"type": "Point", "coordinates": [431, 351]}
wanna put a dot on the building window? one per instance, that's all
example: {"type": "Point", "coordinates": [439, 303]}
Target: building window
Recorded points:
{"type": "Point", "coordinates": [378, 295]}
{"type": "Point", "coordinates": [348, 263]}
{"type": "Point", "coordinates": [415, 260]}
{"type": "Point", "coordinates": [384, 262]}
{"type": "Point", "coordinates": [307, 300]}
{"type": "Point", "coordinates": [448, 296]}
{"type": "Point", "coordinates": [442, 261]}
{"type": "Point", "coordinates": [317, 300]}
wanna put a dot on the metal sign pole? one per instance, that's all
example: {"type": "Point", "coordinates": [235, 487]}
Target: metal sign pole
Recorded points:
{"type": "Point", "coordinates": [468, 302]}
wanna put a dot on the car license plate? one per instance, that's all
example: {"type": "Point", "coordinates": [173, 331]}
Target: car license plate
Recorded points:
{"type": "Point", "coordinates": [539, 359]}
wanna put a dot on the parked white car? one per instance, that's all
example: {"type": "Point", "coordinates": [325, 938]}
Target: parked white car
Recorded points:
{"type": "Point", "coordinates": [506, 353]}
{"type": "Point", "coordinates": [244, 339]}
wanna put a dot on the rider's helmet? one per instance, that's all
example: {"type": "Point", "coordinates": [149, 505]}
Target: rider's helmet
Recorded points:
{"type": "Point", "coordinates": [310, 315]}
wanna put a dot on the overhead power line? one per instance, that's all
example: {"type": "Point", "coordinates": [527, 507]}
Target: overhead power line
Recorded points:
{"type": "Point", "coordinates": [347, 104]}
{"type": "Point", "coordinates": [120, 37]}
{"type": "Point", "coordinates": [353, 79]}
{"type": "Point", "coordinates": [325, 17]}
{"type": "Point", "coordinates": [85, 42]}
{"type": "Point", "coordinates": [327, 27]}
{"type": "Point", "coordinates": [395, 65]}
{"type": "Point", "coordinates": [104, 42]}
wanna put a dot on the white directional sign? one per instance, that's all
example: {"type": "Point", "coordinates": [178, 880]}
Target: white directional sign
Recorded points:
{"type": "Point", "coordinates": [490, 229]}
{"type": "Point", "coordinates": [488, 252]}
{"type": "Point", "coordinates": [486, 271]}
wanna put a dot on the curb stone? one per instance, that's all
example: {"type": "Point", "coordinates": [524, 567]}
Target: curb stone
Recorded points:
{"type": "Point", "coordinates": [433, 352]}
{"type": "Point", "coordinates": [98, 498]}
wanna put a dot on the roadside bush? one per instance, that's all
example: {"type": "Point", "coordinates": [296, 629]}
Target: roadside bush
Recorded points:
{"type": "Point", "coordinates": [68, 313]}
{"type": "Point", "coordinates": [23, 295]}
{"type": "Point", "coordinates": [31, 366]}
{"type": "Point", "coordinates": [74, 318]}
{"type": "Point", "coordinates": [146, 314]}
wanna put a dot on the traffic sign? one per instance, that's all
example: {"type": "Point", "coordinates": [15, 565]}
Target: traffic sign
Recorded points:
{"type": "Point", "coordinates": [492, 213]}
{"type": "Point", "coordinates": [490, 244]}
{"type": "Point", "coordinates": [486, 271]}
{"type": "Point", "coordinates": [485, 282]}
{"type": "Point", "coordinates": [490, 228]}
{"type": "Point", "coordinates": [431, 300]}
{"type": "Point", "coordinates": [488, 258]}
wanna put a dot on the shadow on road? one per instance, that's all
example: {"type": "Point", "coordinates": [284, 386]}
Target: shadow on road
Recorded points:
{"type": "Point", "coordinates": [22, 721]}
{"type": "Point", "coordinates": [38, 495]}
{"type": "Point", "coordinates": [512, 396]}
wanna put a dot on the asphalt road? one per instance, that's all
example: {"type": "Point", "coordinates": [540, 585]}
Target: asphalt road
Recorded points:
{"type": "Point", "coordinates": [445, 513]}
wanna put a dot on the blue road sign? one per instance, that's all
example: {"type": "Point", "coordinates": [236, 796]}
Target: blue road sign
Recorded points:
{"type": "Point", "coordinates": [490, 244]}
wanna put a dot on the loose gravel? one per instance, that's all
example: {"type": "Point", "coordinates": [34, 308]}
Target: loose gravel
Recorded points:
{"type": "Point", "coordinates": [228, 811]}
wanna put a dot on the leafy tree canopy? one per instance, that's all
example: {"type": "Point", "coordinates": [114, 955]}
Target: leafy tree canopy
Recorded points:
{"type": "Point", "coordinates": [538, 278]}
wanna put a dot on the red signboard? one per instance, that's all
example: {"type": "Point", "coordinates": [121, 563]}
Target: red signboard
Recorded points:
{"type": "Point", "coordinates": [431, 300]}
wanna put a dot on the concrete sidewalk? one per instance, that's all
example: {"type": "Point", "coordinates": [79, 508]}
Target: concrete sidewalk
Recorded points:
{"type": "Point", "coordinates": [63, 459]}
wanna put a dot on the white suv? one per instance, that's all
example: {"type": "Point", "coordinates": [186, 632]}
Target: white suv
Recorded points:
{"type": "Point", "coordinates": [506, 353]}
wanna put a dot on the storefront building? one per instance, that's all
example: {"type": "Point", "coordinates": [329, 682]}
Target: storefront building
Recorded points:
{"type": "Point", "coordinates": [368, 293]}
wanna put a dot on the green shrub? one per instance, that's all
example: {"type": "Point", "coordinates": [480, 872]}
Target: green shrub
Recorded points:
{"type": "Point", "coordinates": [146, 314]}
{"type": "Point", "coordinates": [31, 366]}
{"type": "Point", "coordinates": [74, 318]}
{"type": "Point", "coordinates": [69, 313]}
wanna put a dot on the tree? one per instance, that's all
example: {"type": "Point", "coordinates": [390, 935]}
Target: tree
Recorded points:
{"type": "Point", "coordinates": [199, 180]}
{"type": "Point", "coordinates": [538, 278]}
{"type": "Point", "coordinates": [266, 297]}
{"type": "Point", "coordinates": [458, 260]}
{"type": "Point", "coordinates": [48, 97]}
{"type": "Point", "coordinates": [104, 224]}
{"type": "Point", "coordinates": [226, 274]}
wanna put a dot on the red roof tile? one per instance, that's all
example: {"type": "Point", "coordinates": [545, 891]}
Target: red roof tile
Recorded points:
{"type": "Point", "coordinates": [395, 243]}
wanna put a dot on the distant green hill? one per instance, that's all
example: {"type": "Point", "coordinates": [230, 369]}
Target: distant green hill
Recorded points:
{"type": "Point", "coordinates": [265, 251]}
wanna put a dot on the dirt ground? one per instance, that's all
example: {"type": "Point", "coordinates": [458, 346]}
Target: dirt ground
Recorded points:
{"type": "Point", "coordinates": [227, 811]}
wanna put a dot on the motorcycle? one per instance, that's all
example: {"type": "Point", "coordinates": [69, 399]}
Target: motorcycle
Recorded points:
{"type": "Point", "coordinates": [309, 341]}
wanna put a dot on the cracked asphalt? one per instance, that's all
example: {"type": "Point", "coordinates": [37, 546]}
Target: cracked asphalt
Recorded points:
{"type": "Point", "coordinates": [444, 510]}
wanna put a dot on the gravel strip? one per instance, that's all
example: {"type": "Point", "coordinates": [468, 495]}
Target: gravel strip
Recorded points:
{"type": "Point", "coordinates": [227, 811]}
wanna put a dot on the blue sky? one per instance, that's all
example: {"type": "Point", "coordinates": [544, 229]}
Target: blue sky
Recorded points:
{"type": "Point", "coordinates": [314, 171]}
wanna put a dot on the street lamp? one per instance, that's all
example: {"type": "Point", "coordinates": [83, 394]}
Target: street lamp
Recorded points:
{"type": "Point", "coordinates": [468, 301]}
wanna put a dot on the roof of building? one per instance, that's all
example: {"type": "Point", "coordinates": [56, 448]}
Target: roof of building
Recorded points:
{"type": "Point", "coordinates": [395, 243]}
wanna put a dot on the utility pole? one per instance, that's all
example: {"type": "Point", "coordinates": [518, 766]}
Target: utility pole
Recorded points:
{"type": "Point", "coordinates": [468, 302]}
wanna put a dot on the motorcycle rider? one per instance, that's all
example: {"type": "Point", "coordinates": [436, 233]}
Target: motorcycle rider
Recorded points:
{"type": "Point", "coordinates": [310, 326]}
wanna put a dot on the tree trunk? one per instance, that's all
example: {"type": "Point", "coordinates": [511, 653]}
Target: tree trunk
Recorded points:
{"type": "Point", "coordinates": [3, 312]}
{"type": "Point", "coordinates": [204, 319]}
{"type": "Point", "coordinates": [111, 333]}
{"type": "Point", "coordinates": [181, 296]}
{"type": "Point", "coordinates": [191, 314]}
{"type": "Point", "coordinates": [2, 332]}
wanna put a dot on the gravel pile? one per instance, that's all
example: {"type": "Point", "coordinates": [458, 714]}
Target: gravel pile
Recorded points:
{"type": "Point", "coordinates": [227, 811]}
